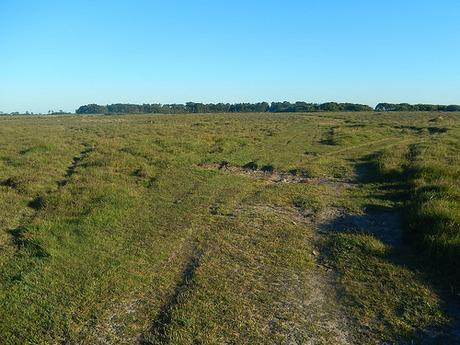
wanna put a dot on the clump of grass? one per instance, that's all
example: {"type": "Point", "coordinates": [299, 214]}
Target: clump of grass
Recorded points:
{"type": "Point", "coordinates": [432, 172]}
{"type": "Point", "coordinates": [250, 166]}
{"type": "Point", "coordinates": [434, 214]}
{"type": "Point", "coordinates": [37, 149]}
{"type": "Point", "coordinates": [267, 168]}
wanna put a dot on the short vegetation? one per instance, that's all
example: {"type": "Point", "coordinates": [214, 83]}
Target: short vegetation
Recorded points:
{"type": "Point", "coordinates": [241, 228]}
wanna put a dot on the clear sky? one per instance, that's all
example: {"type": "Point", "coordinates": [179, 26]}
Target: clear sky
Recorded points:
{"type": "Point", "coordinates": [59, 54]}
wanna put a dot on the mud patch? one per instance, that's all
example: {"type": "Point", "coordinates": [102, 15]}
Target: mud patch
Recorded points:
{"type": "Point", "coordinates": [268, 174]}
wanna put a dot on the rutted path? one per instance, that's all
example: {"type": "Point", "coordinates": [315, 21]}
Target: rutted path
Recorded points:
{"type": "Point", "coordinates": [310, 309]}
{"type": "Point", "coordinates": [304, 309]}
{"type": "Point", "coordinates": [309, 295]}
{"type": "Point", "coordinates": [320, 317]}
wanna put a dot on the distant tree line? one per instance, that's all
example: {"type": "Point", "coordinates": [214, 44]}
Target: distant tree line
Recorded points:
{"type": "Point", "coordinates": [15, 113]}
{"type": "Point", "coordinates": [415, 107]}
{"type": "Point", "coordinates": [27, 113]}
{"type": "Point", "coordinates": [192, 107]}
{"type": "Point", "coordinates": [262, 107]}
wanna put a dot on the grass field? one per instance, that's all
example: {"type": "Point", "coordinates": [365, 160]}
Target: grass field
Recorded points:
{"type": "Point", "coordinates": [321, 228]}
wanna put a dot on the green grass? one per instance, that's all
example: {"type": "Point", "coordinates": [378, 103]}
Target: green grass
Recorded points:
{"type": "Point", "coordinates": [112, 230]}
{"type": "Point", "coordinates": [432, 170]}
{"type": "Point", "coordinates": [387, 299]}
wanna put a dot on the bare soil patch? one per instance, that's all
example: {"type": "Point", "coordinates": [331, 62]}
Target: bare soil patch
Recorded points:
{"type": "Point", "coordinates": [270, 175]}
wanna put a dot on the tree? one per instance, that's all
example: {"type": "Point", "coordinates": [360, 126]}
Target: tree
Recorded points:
{"type": "Point", "coordinates": [92, 109]}
{"type": "Point", "coordinates": [330, 106]}
{"type": "Point", "coordinates": [453, 107]}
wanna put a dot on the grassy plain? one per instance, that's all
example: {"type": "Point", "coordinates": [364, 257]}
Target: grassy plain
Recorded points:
{"type": "Point", "coordinates": [230, 228]}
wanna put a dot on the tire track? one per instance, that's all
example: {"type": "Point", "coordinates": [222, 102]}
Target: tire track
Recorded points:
{"type": "Point", "coordinates": [74, 165]}
{"type": "Point", "coordinates": [310, 295]}
{"type": "Point", "coordinates": [158, 331]}
{"type": "Point", "coordinates": [19, 233]}
{"type": "Point", "coordinates": [370, 143]}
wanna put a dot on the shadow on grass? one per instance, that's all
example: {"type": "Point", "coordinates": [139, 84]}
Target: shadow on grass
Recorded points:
{"type": "Point", "coordinates": [400, 259]}
{"type": "Point", "coordinates": [24, 242]}
{"type": "Point", "coordinates": [398, 185]}
{"type": "Point", "coordinates": [382, 222]}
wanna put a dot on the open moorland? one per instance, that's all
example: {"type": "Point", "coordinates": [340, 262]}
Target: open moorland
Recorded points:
{"type": "Point", "coordinates": [318, 228]}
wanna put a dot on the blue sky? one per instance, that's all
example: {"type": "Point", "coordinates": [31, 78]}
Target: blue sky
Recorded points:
{"type": "Point", "coordinates": [57, 54]}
